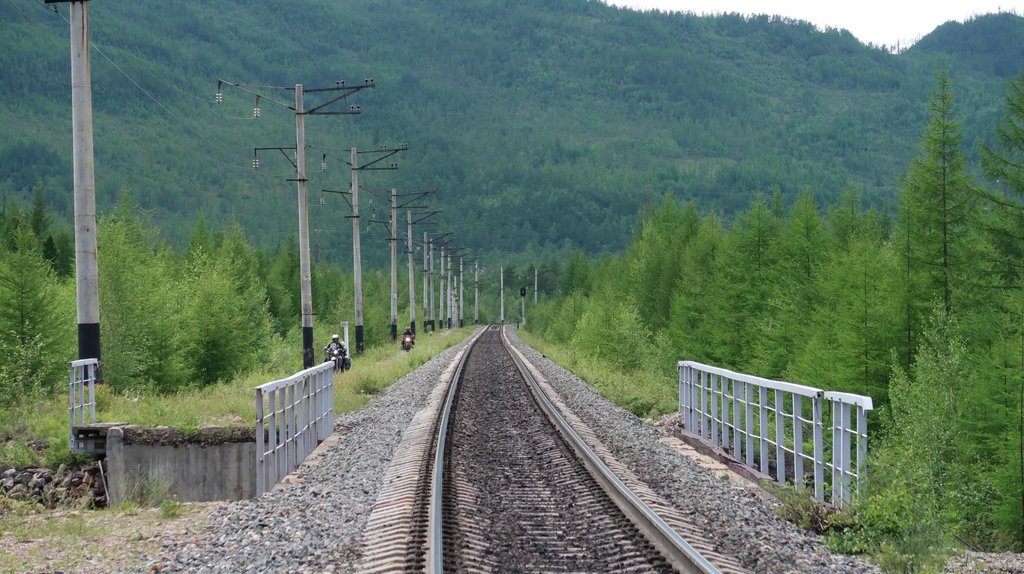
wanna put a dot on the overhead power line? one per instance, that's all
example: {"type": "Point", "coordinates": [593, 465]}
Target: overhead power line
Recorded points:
{"type": "Point", "coordinates": [168, 110]}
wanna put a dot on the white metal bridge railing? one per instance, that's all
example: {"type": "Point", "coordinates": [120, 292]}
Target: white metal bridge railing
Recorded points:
{"type": "Point", "coordinates": [81, 399]}
{"type": "Point", "coordinates": [763, 422]}
{"type": "Point", "coordinates": [292, 416]}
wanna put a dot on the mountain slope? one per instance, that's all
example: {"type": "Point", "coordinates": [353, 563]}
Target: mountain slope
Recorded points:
{"type": "Point", "coordinates": [543, 125]}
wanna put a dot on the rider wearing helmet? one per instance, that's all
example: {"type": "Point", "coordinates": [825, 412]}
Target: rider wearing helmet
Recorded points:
{"type": "Point", "coordinates": [334, 345]}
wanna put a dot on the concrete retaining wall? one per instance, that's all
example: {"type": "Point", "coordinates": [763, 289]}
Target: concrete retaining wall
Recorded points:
{"type": "Point", "coordinates": [192, 473]}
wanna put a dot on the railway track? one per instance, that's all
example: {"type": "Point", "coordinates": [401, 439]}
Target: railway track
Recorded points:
{"type": "Point", "coordinates": [491, 476]}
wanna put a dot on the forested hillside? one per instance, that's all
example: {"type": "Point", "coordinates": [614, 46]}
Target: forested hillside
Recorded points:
{"type": "Point", "coordinates": [544, 126]}
{"type": "Point", "coordinates": [922, 310]}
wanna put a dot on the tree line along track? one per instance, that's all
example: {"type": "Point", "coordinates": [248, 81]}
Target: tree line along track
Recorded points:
{"type": "Point", "coordinates": [500, 486]}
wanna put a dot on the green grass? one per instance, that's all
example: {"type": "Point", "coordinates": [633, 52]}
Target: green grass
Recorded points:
{"type": "Point", "coordinates": [24, 521]}
{"type": "Point", "coordinates": [71, 527]}
{"type": "Point", "coordinates": [171, 509]}
{"type": "Point", "coordinates": [101, 540]}
{"type": "Point", "coordinates": [143, 491]}
{"type": "Point", "coordinates": [226, 404]}
{"type": "Point", "coordinates": [646, 394]}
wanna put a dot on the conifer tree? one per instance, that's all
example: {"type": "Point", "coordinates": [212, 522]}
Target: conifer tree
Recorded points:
{"type": "Point", "coordinates": [30, 355]}
{"type": "Point", "coordinates": [577, 274]}
{"type": "Point", "coordinates": [938, 204]}
{"type": "Point", "coordinates": [699, 305]}
{"type": "Point", "coordinates": [655, 259]}
{"type": "Point", "coordinates": [751, 268]}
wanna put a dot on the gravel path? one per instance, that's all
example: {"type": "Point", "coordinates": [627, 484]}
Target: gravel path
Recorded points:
{"type": "Point", "coordinates": [316, 525]}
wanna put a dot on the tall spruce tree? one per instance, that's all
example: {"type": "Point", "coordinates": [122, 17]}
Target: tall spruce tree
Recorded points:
{"type": "Point", "coordinates": [937, 206]}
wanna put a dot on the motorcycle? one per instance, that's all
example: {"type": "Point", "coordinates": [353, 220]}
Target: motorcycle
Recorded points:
{"type": "Point", "coordinates": [341, 362]}
{"type": "Point", "coordinates": [407, 342]}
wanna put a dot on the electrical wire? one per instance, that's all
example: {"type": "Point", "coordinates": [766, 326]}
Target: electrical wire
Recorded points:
{"type": "Point", "coordinates": [170, 112]}
{"type": "Point", "coordinates": [212, 102]}
{"type": "Point", "coordinates": [250, 88]}
{"type": "Point", "coordinates": [38, 26]}
{"type": "Point", "coordinates": [23, 14]}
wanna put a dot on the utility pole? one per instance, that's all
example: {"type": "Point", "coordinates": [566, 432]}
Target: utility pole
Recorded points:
{"type": "Point", "coordinates": [426, 279]}
{"type": "Point", "coordinates": [305, 274]}
{"type": "Point", "coordinates": [87, 276]}
{"type": "Point", "coordinates": [534, 285]}
{"type": "Point", "coordinates": [357, 264]}
{"type": "Point", "coordinates": [476, 292]}
{"type": "Point", "coordinates": [462, 295]}
{"type": "Point", "coordinates": [430, 276]}
{"type": "Point", "coordinates": [382, 152]}
{"type": "Point", "coordinates": [451, 283]}
{"type": "Point", "coordinates": [392, 225]}
{"type": "Point", "coordinates": [410, 272]}
{"type": "Point", "coordinates": [502, 296]}
{"type": "Point", "coordinates": [451, 289]}
{"type": "Point", "coordinates": [412, 268]}
{"type": "Point", "coordinates": [305, 286]}
{"type": "Point", "coordinates": [394, 265]}
{"type": "Point", "coordinates": [443, 294]}
{"type": "Point", "coordinates": [430, 240]}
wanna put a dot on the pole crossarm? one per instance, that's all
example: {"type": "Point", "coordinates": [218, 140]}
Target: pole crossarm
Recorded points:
{"type": "Point", "coordinates": [385, 222]}
{"type": "Point", "coordinates": [443, 244]}
{"type": "Point", "coordinates": [427, 216]}
{"type": "Point", "coordinates": [344, 194]}
{"type": "Point", "coordinates": [383, 152]}
{"type": "Point", "coordinates": [408, 204]}
{"type": "Point", "coordinates": [282, 149]}
{"type": "Point", "coordinates": [340, 86]}
{"type": "Point", "coordinates": [346, 92]}
{"type": "Point", "coordinates": [414, 196]}
{"type": "Point", "coordinates": [259, 96]}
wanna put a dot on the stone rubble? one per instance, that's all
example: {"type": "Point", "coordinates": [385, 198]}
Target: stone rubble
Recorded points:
{"type": "Point", "coordinates": [79, 486]}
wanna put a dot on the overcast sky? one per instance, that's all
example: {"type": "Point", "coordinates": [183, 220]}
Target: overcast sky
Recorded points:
{"type": "Point", "coordinates": [881, 22]}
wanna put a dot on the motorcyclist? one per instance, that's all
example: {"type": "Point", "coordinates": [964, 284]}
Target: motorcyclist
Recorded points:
{"type": "Point", "coordinates": [408, 339]}
{"type": "Point", "coordinates": [335, 345]}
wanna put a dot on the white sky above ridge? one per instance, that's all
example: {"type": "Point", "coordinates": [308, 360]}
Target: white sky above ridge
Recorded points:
{"type": "Point", "coordinates": [871, 21]}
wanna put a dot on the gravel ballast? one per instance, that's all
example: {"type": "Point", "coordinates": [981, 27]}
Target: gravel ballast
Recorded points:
{"type": "Point", "coordinates": [316, 524]}
{"type": "Point", "coordinates": [744, 524]}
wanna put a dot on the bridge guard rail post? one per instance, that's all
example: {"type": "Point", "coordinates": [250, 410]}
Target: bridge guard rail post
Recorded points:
{"type": "Point", "coordinates": [849, 461]}
{"type": "Point", "coordinates": [293, 415]}
{"type": "Point", "coordinates": [761, 422]}
{"type": "Point", "coordinates": [81, 398]}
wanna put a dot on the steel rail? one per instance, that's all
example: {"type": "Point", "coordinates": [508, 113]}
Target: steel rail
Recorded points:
{"type": "Point", "coordinates": [435, 535]}
{"type": "Point", "coordinates": [679, 553]}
